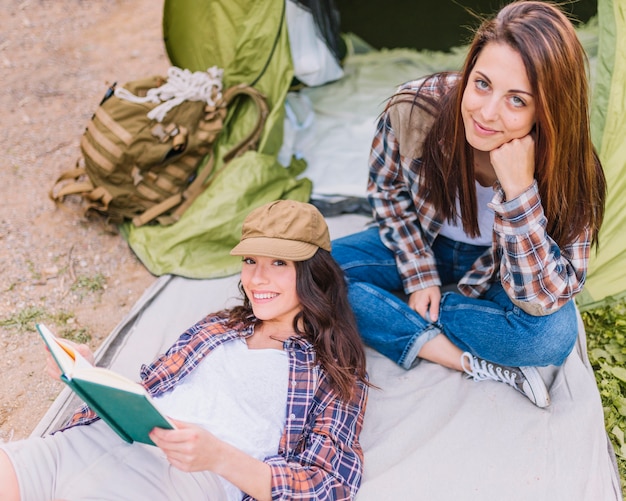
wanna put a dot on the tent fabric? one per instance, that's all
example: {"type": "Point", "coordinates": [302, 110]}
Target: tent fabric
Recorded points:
{"type": "Point", "coordinates": [607, 274]}
{"type": "Point", "coordinates": [429, 433]}
{"type": "Point", "coordinates": [249, 40]}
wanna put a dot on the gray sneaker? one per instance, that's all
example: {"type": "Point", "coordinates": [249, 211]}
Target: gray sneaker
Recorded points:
{"type": "Point", "coordinates": [526, 380]}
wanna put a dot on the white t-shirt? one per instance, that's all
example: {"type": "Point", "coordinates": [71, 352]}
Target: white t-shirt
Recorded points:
{"type": "Point", "coordinates": [454, 231]}
{"type": "Point", "coordinates": [239, 395]}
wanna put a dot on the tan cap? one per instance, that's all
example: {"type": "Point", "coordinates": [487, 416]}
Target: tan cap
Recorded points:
{"type": "Point", "coordinates": [284, 229]}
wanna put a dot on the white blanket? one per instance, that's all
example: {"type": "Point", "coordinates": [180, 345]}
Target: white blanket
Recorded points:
{"type": "Point", "coordinates": [429, 433]}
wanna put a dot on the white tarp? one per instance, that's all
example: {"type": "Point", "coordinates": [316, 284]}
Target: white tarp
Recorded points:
{"type": "Point", "coordinates": [429, 433]}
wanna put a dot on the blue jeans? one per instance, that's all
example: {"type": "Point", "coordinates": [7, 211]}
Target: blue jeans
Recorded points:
{"type": "Point", "coordinates": [491, 327]}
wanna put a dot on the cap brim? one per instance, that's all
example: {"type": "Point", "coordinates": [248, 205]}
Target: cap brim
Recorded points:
{"type": "Point", "coordinates": [290, 250]}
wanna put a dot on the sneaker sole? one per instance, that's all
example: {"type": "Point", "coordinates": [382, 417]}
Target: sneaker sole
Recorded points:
{"type": "Point", "coordinates": [535, 380]}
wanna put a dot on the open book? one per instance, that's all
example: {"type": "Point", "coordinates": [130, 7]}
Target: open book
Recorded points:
{"type": "Point", "coordinates": [123, 404]}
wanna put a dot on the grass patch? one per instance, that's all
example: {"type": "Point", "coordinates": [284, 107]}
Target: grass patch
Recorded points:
{"type": "Point", "coordinates": [77, 334]}
{"type": "Point", "coordinates": [62, 317]}
{"type": "Point", "coordinates": [25, 320]}
{"type": "Point", "coordinates": [606, 345]}
{"type": "Point", "coordinates": [89, 284]}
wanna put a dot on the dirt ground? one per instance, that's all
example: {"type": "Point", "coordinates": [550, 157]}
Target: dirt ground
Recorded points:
{"type": "Point", "coordinates": [57, 58]}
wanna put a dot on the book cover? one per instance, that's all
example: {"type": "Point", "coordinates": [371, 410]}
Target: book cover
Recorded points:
{"type": "Point", "coordinates": [123, 404]}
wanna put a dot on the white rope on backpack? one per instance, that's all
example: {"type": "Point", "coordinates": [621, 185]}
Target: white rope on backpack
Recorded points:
{"type": "Point", "coordinates": [182, 85]}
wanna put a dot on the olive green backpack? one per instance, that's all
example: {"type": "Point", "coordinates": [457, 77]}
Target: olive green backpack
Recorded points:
{"type": "Point", "coordinates": [147, 152]}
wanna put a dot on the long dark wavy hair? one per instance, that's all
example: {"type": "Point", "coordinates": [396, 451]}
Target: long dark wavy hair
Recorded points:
{"type": "Point", "coordinates": [569, 175]}
{"type": "Point", "coordinates": [326, 320]}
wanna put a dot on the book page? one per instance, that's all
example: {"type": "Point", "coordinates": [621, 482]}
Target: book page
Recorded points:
{"type": "Point", "coordinates": [63, 353]}
{"type": "Point", "coordinates": [74, 365]}
{"type": "Point", "coordinates": [106, 377]}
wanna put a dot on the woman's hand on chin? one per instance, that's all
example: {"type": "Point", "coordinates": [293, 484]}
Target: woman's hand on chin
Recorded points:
{"type": "Point", "coordinates": [514, 164]}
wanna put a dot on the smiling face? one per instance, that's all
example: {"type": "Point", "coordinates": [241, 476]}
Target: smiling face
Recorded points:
{"type": "Point", "coordinates": [270, 285]}
{"type": "Point", "coordinates": [497, 104]}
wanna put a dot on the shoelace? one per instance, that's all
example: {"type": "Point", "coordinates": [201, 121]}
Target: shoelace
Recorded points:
{"type": "Point", "coordinates": [480, 370]}
{"type": "Point", "coordinates": [182, 85]}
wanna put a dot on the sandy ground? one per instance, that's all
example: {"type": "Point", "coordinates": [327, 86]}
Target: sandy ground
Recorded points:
{"type": "Point", "coordinates": [57, 58]}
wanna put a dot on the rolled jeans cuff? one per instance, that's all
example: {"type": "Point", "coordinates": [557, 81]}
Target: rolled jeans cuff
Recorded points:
{"type": "Point", "coordinates": [409, 358]}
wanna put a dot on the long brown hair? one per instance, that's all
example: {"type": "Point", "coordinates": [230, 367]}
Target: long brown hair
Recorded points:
{"type": "Point", "coordinates": [326, 320]}
{"type": "Point", "coordinates": [569, 175]}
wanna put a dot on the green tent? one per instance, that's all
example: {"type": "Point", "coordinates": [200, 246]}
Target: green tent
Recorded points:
{"type": "Point", "coordinates": [607, 274]}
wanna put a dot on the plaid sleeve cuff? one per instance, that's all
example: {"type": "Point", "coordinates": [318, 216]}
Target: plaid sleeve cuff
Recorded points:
{"type": "Point", "coordinates": [295, 482]}
{"type": "Point", "coordinates": [520, 215]}
{"type": "Point", "coordinates": [281, 477]}
{"type": "Point", "coordinates": [418, 273]}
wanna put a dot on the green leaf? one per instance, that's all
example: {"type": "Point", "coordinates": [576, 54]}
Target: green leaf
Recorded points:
{"type": "Point", "coordinates": [619, 373]}
{"type": "Point", "coordinates": [599, 354]}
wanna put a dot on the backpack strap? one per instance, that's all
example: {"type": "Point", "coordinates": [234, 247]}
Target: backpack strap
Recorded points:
{"type": "Point", "coordinates": [186, 197]}
{"type": "Point", "coordinates": [73, 188]}
{"type": "Point", "coordinates": [80, 184]}
{"type": "Point", "coordinates": [155, 211]}
{"type": "Point", "coordinates": [251, 140]}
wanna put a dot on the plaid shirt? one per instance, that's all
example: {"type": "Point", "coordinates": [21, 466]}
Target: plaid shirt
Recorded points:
{"type": "Point", "coordinates": [537, 275]}
{"type": "Point", "coordinates": [319, 455]}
